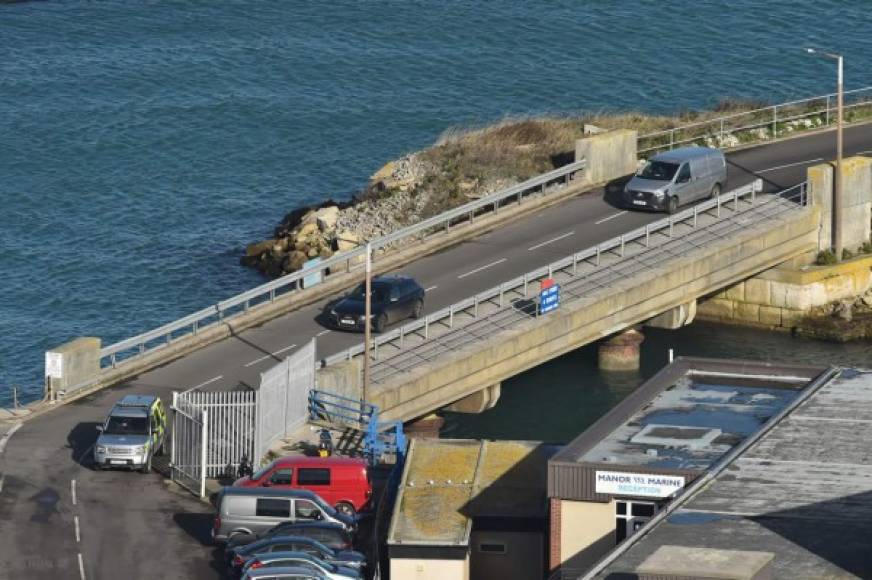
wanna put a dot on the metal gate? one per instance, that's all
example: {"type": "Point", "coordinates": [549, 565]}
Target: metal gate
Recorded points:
{"type": "Point", "coordinates": [189, 445]}
{"type": "Point", "coordinates": [283, 398]}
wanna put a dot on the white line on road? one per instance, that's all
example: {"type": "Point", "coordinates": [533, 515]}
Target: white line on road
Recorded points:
{"type": "Point", "coordinates": [212, 380]}
{"type": "Point", "coordinates": [485, 267]}
{"type": "Point", "coordinates": [611, 217]}
{"type": "Point", "coordinates": [73, 490]}
{"type": "Point", "coordinates": [430, 288]}
{"type": "Point", "coordinates": [81, 567]}
{"type": "Point", "coordinates": [552, 240]}
{"type": "Point", "coordinates": [790, 165]}
{"type": "Point", "coordinates": [2, 479]}
{"type": "Point", "coordinates": [9, 434]}
{"type": "Point", "coordinates": [270, 355]}
{"type": "Point", "coordinates": [76, 522]}
{"type": "Point", "coordinates": [323, 332]}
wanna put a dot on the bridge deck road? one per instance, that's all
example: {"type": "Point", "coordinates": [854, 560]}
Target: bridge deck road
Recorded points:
{"type": "Point", "coordinates": [127, 525]}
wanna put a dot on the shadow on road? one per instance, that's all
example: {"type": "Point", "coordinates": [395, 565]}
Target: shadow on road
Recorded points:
{"type": "Point", "coordinates": [613, 190]}
{"type": "Point", "coordinates": [196, 525]}
{"type": "Point", "coordinates": [80, 441]}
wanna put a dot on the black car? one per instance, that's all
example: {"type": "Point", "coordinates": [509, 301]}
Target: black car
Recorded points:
{"type": "Point", "coordinates": [393, 298]}
{"type": "Point", "coordinates": [334, 536]}
{"type": "Point", "coordinates": [238, 557]}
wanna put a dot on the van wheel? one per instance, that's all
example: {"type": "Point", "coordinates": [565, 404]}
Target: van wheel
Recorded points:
{"type": "Point", "coordinates": [380, 322]}
{"type": "Point", "coordinates": [346, 508]}
{"type": "Point", "coordinates": [672, 204]}
{"type": "Point", "coordinates": [716, 191]}
{"type": "Point", "coordinates": [146, 467]}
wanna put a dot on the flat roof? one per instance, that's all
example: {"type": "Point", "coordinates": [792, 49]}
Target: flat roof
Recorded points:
{"type": "Point", "coordinates": [689, 418]}
{"type": "Point", "coordinates": [803, 492]}
{"type": "Point", "coordinates": [447, 482]}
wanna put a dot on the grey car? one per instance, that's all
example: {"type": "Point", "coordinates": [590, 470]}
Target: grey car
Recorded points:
{"type": "Point", "coordinates": [285, 573]}
{"type": "Point", "coordinates": [132, 435]}
{"type": "Point", "coordinates": [671, 179]}
{"type": "Point", "coordinates": [326, 570]}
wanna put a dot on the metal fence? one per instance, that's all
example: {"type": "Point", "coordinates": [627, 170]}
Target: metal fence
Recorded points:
{"type": "Point", "coordinates": [501, 295]}
{"type": "Point", "coordinates": [760, 124]}
{"type": "Point", "coordinates": [547, 183]}
{"type": "Point", "coordinates": [283, 398]}
{"type": "Point", "coordinates": [189, 445]}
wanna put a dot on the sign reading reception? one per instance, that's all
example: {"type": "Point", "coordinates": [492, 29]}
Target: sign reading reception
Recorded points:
{"type": "Point", "coordinates": [639, 484]}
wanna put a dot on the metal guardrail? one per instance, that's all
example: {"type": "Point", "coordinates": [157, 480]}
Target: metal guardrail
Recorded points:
{"type": "Point", "coordinates": [593, 255]}
{"type": "Point", "coordinates": [191, 324]}
{"type": "Point", "coordinates": [769, 118]}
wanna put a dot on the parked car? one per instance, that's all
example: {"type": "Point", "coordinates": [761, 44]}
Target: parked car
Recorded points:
{"type": "Point", "coordinates": [334, 536]}
{"type": "Point", "coordinates": [393, 298]}
{"type": "Point", "coordinates": [677, 177]}
{"type": "Point", "coordinates": [279, 559]}
{"type": "Point", "coordinates": [134, 432]}
{"type": "Point", "coordinates": [284, 573]}
{"type": "Point", "coordinates": [340, 481]}
{"type": "Point", "coordinates": [238, 557]}
{"type": "Point", "coordinates": [246, 510]}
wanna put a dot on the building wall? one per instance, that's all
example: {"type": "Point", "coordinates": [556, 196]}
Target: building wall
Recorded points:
{"type": "Point", "coordinates": [587, 533]}
{"type": "Point", "coordinates": [522, 560]}
{"type": "Point", "coordinates": [426, 569]}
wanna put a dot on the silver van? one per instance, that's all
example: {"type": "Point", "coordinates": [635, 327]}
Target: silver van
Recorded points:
{"type": "Point", "coordinates": [677, 177]}
{"type": "Point", "coordinates": [251, 510]}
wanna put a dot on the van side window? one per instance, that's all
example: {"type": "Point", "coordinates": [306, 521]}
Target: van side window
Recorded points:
{"type": "Point", "coordinates": [306, 510]}
{"type": "Point", "coordinates": [282, 476]}
{"type": "Point", "coordinates": [273, 508]}
{"type": "Point", "coordinates": [683, 173]}
{"type": "Point", "coordinates": [313, 476]}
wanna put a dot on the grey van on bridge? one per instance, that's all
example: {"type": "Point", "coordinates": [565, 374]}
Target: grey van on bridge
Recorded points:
{"type": "Point", "coordinates": [677, 177]}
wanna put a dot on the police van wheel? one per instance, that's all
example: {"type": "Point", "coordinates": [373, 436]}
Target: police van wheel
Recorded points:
{"type": "Point", "coordinates": [146, 467]}
{"type": "Point", "coordinates": [716, 191]}
{"type": "Point", "coordinates": [672, 204]}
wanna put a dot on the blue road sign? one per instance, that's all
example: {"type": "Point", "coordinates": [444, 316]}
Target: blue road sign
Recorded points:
{"type": "Point", "coordinates": [549, 299]}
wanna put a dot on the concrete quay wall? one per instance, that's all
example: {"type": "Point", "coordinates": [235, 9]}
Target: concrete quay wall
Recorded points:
{"type": "Point", "coordinates": [698, 273]}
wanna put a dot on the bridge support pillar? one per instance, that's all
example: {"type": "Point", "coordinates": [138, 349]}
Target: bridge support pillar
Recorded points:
{"type": "Point", "coordinates": [674, 318]}
{"type": "Point", "coordinates": [426, 427]}
{"type": "Point", "coordinates": [621, 352]}
{"type": "Point", "coordinates": [478, 402]}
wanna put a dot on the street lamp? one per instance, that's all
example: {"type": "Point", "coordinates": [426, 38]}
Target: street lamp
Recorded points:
{"type": "Point", "coordinates": [837, 190]}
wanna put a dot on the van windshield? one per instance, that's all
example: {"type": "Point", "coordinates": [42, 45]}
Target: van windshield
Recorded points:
{"type": "Point", "coordinates": [658, 171]}
{"type": "Point", "coordinates": [126, 426]}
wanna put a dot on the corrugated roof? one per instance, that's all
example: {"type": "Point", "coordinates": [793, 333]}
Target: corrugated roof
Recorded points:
{"type": "Point", "coordinates": [447, 482]}
{"type": "Point", "coordinates": [802, 492]}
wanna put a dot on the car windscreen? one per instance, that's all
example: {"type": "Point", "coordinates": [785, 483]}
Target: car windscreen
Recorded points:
{"type": "Point", "coordinates": [379, 292]}
{"type": "Point", "coordinates": [658, 171]}
{"type": "Point", "coordinates": [261, 472]}
{"type": "Point", "coordinates": [126, 426]}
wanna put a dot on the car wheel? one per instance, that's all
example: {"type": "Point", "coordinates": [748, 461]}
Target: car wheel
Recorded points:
{"type": "Point", "coordinates": [346, 508]}
{"type": "Point", "coordinates": [98, 466]}
{"type": "Point", "coordinates": [672, 204]}
{"type": "Point", "coordinates": [716, 191]}
{"type": "Point", "coordinates": [146, 466]}
{"type": "Point", "coordinates": [380, 322]}
{"type": "Point", "coordinates": [418, 309]}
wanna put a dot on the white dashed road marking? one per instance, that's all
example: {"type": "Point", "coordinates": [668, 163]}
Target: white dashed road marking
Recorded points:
{"type": "Point", "coordinates": [430, 288]}
{"type": "Point", "coordinates": [2, 479]}
{"type": "Point", "coordinates": [791, 165]}
{"type": "Point", "coordinates": [81, 567]}
{"type": "Point", "coordinates": [270, 355]}
{"type": "Point", "coordinates": [551, 241]}
{"type": "Point", "coordinates": [76, 522]}
{"type": "Point", "coordinates": [73, 490]}
{"type": "Point", "coordinates": [611, 217]}
{"type": "Point", "coordinates": [212, 380]}
{"type": "Point", "coordinates": [322, 333]}
{"type": "Point", "coordinates": [485, 267]}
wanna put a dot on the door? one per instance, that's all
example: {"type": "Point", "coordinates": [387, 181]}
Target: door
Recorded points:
{"type": "Point", "coordinates": [683, 187]}
{"type": "Point", "coordinates": [395, 305]}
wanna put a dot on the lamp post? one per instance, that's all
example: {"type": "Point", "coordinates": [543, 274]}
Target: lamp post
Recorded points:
{"type": "Point", "coordinates": [837, 190]}
{"type": "Point", "coordinates": [367, 323]}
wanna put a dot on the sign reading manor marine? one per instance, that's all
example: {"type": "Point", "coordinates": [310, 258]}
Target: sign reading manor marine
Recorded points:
{"type": "Point", "coordinates": [638, 484]}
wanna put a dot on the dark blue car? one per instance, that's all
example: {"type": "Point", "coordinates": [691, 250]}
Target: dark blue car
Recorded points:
{"type": "Point", "coordinates": [239, 556]}
{"type": "Point", "coordinates": [393, 298]}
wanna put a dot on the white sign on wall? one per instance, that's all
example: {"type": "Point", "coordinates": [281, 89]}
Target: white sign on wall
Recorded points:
{"type": "Point", "coordinates": [54, 365]}
{"type": "Point", "coordinates": [637, 484]}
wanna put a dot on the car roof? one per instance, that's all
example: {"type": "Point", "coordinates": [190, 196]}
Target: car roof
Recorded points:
{"type": "Point", "coordinates": [273, 492]}
{"type": "Point", "coordinates": [137, 400]}
{"type": "Point", "coordinates": [305, 461]}
{"type": "Point", "coordinates": [128, 412]}
{"type": "Point", "coordinates": [392, 278]}
{"type": "Point", "coordinates": [282, 572]}
{"type": "Point", "coordinates": [685, 153]}
{"type": "Point", "coordinates": [310, 525]}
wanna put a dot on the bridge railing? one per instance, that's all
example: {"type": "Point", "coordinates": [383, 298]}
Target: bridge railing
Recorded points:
{"type": "Point", "coordinates": [498, 295]}
{"type": "Point", "coordinates": [125, 350]}
{"type": "Point", "coordinates": [760, 124]}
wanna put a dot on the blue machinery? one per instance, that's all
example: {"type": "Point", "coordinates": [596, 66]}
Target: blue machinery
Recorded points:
{"type": "Point", "coordinates": [379, 439]}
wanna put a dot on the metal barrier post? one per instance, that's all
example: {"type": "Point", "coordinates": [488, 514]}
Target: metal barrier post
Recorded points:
{"type": "Point", "coordinates": [735, 201]}
{"type": "Point", "coordinates": [718, 207]}
{"type": "Point", "coordinates": [427, 328]}
{"type": "Point", "coordinates": [828, 110]}
{"type": "Point", "coordinates": [574, 265]}
{"type": "Point", "coordinates": [647, 235]}
{"type": "Point", "coordinates": [671, 138]}
{"type": "Point", "coordinates": [695, 212]}
{"type": "Point", "coordinates": [622, 245]}
{"type": "Point", "coordinates": [204, 442]}
{"type": "Point", "coordinates": [597, 255]}
{"type": "Point", "coordinates": [525, 285]}
{"type": "Point", "coordinates": [402, 336]}
{"type": "Point", "coordinates": [775, 121]}
{"type": "Point", "coordinates": [475, 307]}
{"type": "Point", "coordinates": [451, 316]}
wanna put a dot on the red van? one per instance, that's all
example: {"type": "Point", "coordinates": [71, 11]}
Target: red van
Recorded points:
{"type": "Point", "coordinates": [340, 481]}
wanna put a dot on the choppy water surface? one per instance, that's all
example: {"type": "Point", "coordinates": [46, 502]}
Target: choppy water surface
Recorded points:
{"type": "Point", "coordinates": [143, 143]}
